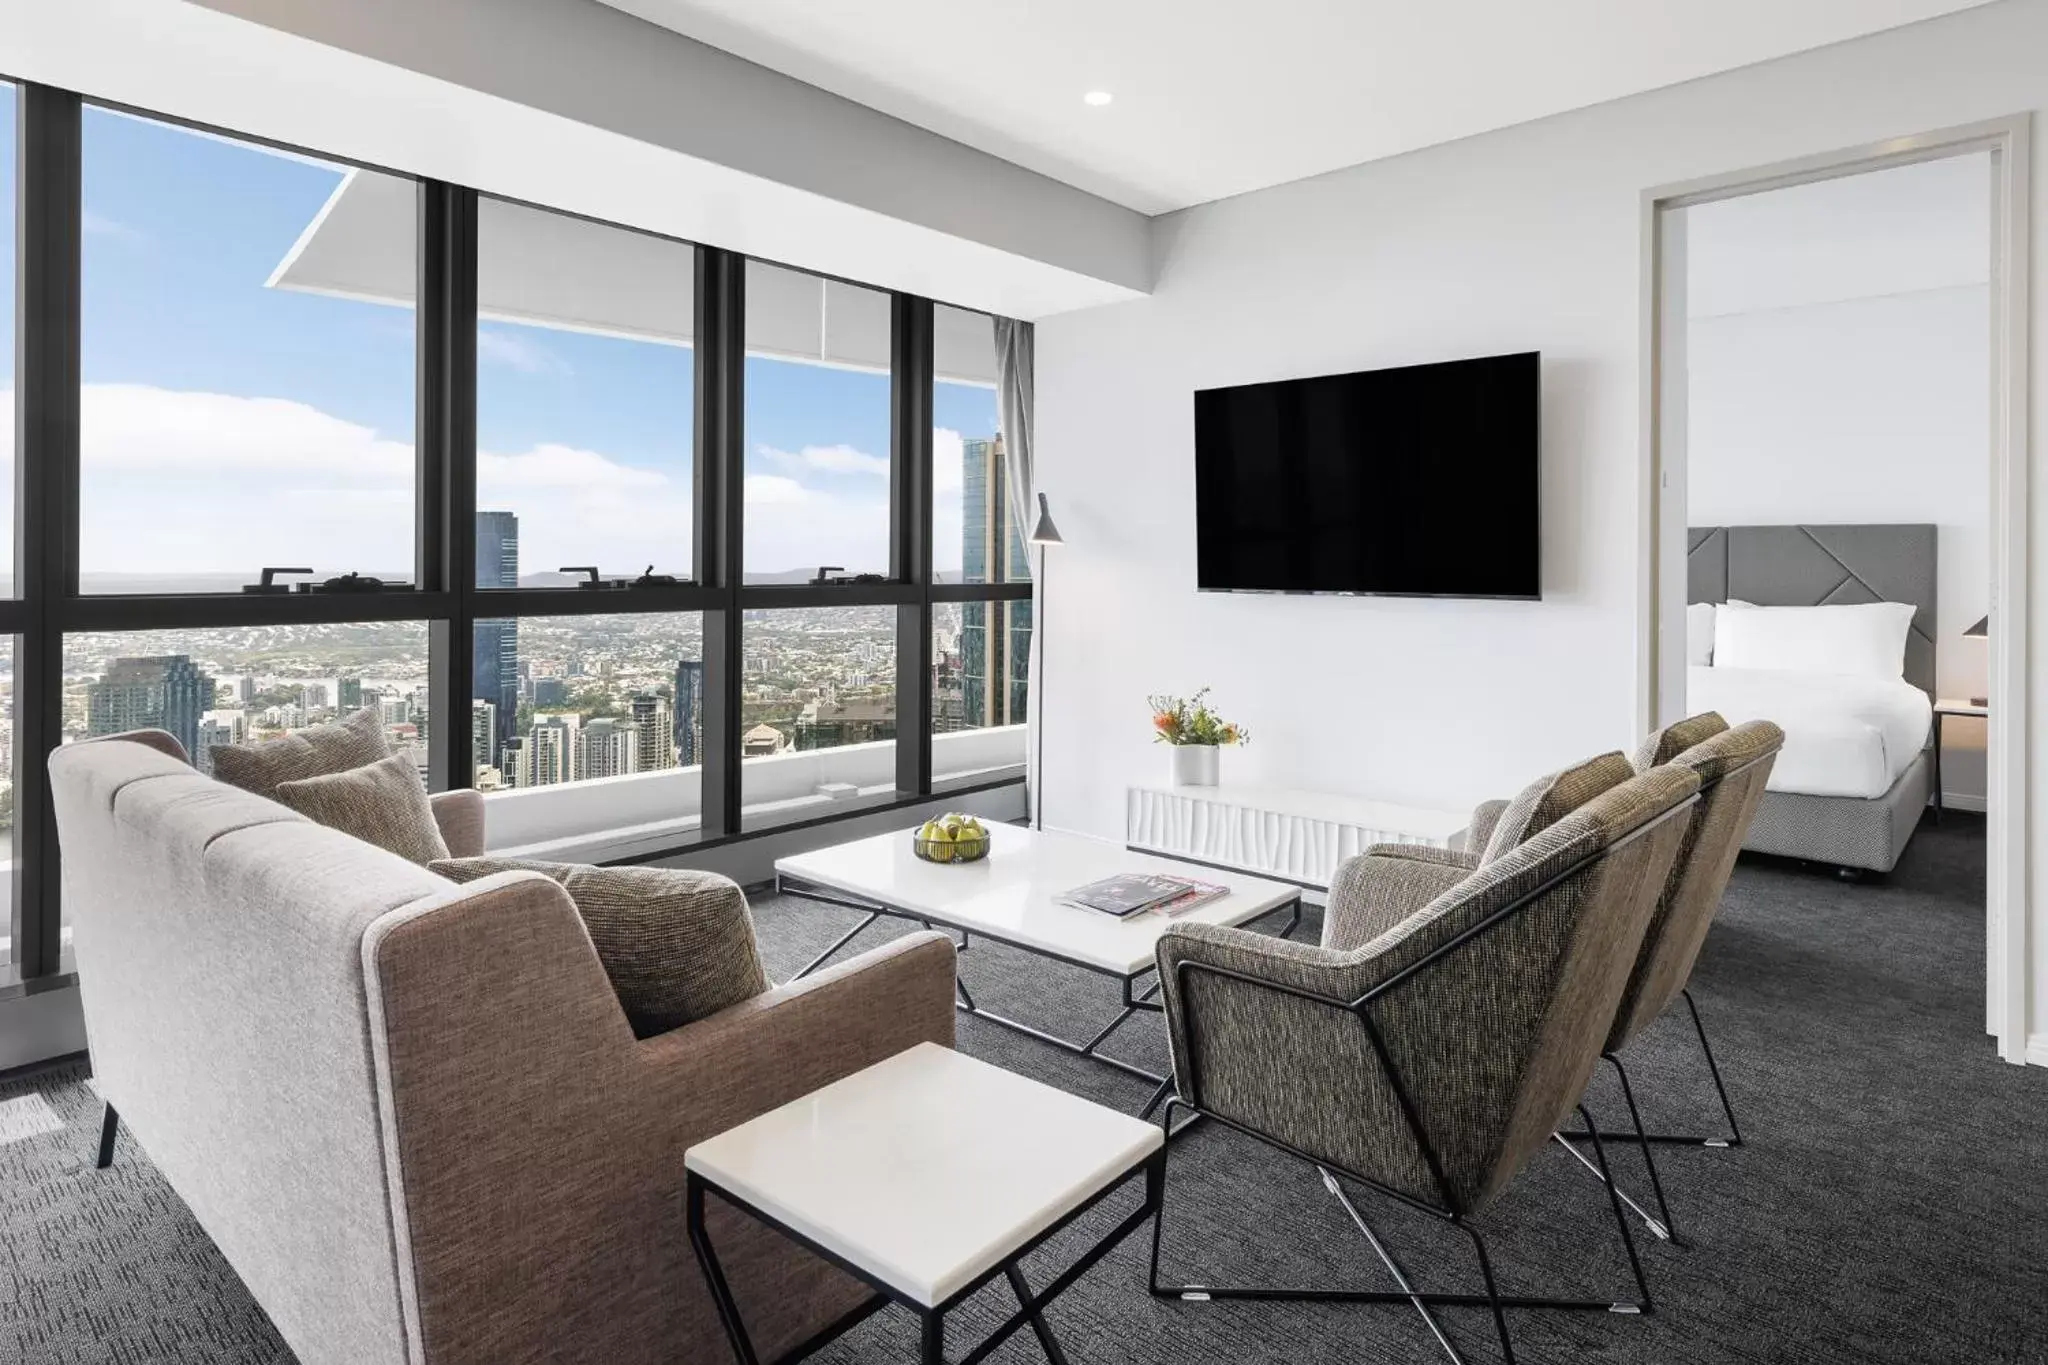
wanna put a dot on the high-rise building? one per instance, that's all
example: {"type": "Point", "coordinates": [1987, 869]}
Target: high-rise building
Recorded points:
{"type": "Point", "coordinates": [550, 756]}
{"type": "Point", "coordinates": [993, 670]}
{"type": "Point", "coordinates": [655, 733]}
{"type": "Point", "coordinates": [222, 729]}
{"type": "Point", "coordinates": [606, 747]}
{"type": "Point", "coordinates": [483, 735]}
{"type": "Point", "coordinates": [497, 641]}
{"type": "Point", "coordinates": [689, 712]}
{"type": "Point", "coordinates": [348, 694]}
{"type": "Point", "coordinates": [515, 764]}
{"type": "Point", "coordinates": [162, 692]}
{"type": "Point", "coordinates": [860, 720]}
{"type": "Point", "coordinates": [550, 692]}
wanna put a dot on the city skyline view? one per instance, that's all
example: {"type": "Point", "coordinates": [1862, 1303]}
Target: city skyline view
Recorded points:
{"type": "Point", "coordinates": [229, 421]}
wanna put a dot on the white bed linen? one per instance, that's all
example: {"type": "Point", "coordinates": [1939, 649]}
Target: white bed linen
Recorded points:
{"type": "Point", "coordinates": [1845, 734]}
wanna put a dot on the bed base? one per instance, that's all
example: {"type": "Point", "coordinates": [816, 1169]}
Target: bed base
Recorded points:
{"type": "Point", "coordinates": [1857, 835]}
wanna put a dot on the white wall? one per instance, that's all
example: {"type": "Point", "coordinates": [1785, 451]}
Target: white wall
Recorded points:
{"type": "Point", "coordinates": [1859, 410]}
{"type": "Point", "coordinates": [1526, 239]}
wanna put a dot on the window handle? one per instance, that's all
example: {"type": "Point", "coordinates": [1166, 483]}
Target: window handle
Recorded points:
{"type": "Point", "coordinates": [651, 579]}
{"type": "Point", "coordinates": [270, 583]}
{"type": "Point", "coordinates": [592, 583]}
{"type": "Point", "coordinates": [825, 570]}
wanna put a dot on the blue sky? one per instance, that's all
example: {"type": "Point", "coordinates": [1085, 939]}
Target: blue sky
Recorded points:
{"type": "Point", "coordinates": [229, 424]}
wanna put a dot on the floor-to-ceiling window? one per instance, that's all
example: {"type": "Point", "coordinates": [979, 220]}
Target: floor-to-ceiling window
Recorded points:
{"type": "Point", "coordinates": [981, 640]}
{"type": "Point", "coordinates": [652, 543]}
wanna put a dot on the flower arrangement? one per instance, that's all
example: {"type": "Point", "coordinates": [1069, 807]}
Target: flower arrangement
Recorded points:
{"type": "Point", "coordinates": [1188, 720]}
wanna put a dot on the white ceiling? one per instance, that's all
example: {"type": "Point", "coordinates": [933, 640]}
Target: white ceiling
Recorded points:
{"type": "Point", "coordinates": [1898, 231]}
{"type": "Point", "coordinates": [1217, 97]}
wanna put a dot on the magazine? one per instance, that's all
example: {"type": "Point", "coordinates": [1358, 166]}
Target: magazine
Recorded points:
{"type": "Point", "coordinates": [1197, 895]}
{"type": "Point", "coordinates": [1126, 894]}
{"type": "Point", "coordinates": [1135, 892]}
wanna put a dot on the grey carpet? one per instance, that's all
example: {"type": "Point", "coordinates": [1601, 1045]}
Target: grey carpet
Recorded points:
{"type": "Point", "coordinates": [1889, 1207]}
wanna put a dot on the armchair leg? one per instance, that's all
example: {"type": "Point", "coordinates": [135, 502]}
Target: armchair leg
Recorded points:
{"type": "Point", "coordinates": [1407, 1294]}
{"type": "Point", "coordinates": [1628, 1094]}
{"type": "Point", "coordinates": [1734, 1138]}
{"type": "Point", "coordinates": [1628, 1241]}
{"type": "Point", "coordinates": [1662, 1227]}
{"type": "Point", "coordinates": [110, 1124]}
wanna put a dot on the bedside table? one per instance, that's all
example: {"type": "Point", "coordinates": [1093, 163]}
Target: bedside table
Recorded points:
{"type": "Point", "coordinates": [1949, 706]}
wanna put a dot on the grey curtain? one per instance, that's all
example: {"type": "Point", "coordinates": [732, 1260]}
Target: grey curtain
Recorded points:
{"type": "Point", "coordinates": [1014, 384]}
{"type": "Point", "coordinates": [1014, 388]}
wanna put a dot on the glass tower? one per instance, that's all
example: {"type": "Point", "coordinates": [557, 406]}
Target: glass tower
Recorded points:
{"type": "Point", "coordinates": [497, 642]}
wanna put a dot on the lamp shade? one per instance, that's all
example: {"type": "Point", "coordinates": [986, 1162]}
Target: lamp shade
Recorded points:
{"type": "Point", "coordinates": [1980, 630]}
{"type": "Point", "coordinates": [1045, 533]}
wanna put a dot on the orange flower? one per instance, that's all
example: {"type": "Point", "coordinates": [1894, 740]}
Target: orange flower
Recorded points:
{"type": "Point", "coordinates": [1164, 722]}
{"type": "Point", "coordinates": [1230, 734]}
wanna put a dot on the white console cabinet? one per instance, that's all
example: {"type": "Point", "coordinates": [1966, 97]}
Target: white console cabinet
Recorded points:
{"type": "Point", "coordinates": [1294, 835]}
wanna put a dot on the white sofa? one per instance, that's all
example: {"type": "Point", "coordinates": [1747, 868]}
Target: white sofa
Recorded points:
{"type": "Point", "coordinates": [412, 1114]}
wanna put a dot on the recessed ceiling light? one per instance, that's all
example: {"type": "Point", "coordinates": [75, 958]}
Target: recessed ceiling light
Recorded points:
{"type": "Point", "coordinates": [1098, 98]}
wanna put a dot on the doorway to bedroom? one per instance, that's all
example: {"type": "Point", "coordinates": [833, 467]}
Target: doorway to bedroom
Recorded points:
{"type": "Point", "coordinates": [1830, 435]}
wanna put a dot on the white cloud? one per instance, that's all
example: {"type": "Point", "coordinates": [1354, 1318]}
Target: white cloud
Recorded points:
{"type": "Point", "coordinates": [556, 466]}
{"type": "Point", "coordinates": [774, 488]}
{"type": "Point", "coordinates": [99, 225]}
{"type": "Point", "coordinates": [495, 346]}
{"type": "Point", "coordinates": [839, 459]}
{"type": "Point", "coordinates": [946, 460]}
{"type": "Point", "coordinates": [179, 482]}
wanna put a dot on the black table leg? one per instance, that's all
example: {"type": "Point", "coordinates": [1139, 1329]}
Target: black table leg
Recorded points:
{"type": "Point", "coordinates": [1047, 1342]}
{"type": "Point", "coordinates": [932, 1347]}
{"type": "Point", "coordinates": [714, 1273]}
{"type": "Point", "coordinates": [1937, 768]}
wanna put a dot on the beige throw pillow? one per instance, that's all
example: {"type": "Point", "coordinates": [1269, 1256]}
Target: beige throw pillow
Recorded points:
{"type": "Point", "coordinates": [351, 742]}
{"type": "Point", "coordinates": [1548, 800]}
{"type": "Point", "coordinates": [1661, 746]}
{"type": "Point", "coordinates": [677, 945]}
{"type": "Point", "coordinates": [381, 803]}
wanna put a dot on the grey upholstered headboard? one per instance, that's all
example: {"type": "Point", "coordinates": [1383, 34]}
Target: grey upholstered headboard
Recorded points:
{"type": "Point", "coordinates": [1808, 566]}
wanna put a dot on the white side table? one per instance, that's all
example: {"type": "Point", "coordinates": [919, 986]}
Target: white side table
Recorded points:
{"type": "Point", "coordinates": [1949, 706]}
{"type": "Point", "coordinates": [1296, 836]}
{"type": "Point", "coordinates": [926, 1176]}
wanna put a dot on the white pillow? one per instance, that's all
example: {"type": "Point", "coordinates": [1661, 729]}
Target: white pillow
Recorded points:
{"type": "Point", "coordinates": [1867, 639]}
{"type": "Point", "coordinates": [1699, 633]}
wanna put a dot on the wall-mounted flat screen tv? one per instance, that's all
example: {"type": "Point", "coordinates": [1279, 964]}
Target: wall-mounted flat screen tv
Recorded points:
{"type": "Point", "coordinates": [1419, 481]}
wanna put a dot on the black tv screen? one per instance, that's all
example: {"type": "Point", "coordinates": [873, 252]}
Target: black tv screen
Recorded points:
{"type": "Point", "coordinates": [1419, 481]}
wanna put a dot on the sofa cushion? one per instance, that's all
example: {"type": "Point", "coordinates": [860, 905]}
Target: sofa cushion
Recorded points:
{"type": "Point", "coordinates": [381, 803]}
{"type": "Point", "coordinates": [677, 944]}
{"type": "Point", "coordinates": [351, 742]}
{"type": "Point", "coordinates": [1549, 799]}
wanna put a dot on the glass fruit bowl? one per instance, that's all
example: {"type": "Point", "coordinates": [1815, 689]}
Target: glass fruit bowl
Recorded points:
{"type": "Point", "coordinates": [951, 839]}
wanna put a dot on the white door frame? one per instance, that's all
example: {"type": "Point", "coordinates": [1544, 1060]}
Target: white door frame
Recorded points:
{"type": "Point", "coordinates": [1662, 538]}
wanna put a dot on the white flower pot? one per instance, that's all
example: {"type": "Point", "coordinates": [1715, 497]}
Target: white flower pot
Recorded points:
{"type": "Point", "coordinates": [1194, 765]}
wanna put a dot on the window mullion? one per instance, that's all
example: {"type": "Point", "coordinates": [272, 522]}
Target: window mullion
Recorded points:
{"type": "Point", "coordinates": [446, 465]}
{"type": "Point", "coordinates": [46, 492]}
{"type": "Point", "coordinates": [910, 515]}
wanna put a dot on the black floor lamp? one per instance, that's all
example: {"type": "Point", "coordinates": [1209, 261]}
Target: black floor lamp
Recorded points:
{"type": "Point", "coordinates": [1042, 535]}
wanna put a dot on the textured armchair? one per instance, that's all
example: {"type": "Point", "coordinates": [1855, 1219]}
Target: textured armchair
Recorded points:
{"type": "Point", "coordinates": [1431, 1059]}
{"type": "Point", "coordinates": [1733, 766]}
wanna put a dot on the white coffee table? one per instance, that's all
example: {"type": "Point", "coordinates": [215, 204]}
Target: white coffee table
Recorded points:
{"type": "Point", "coordinates": [926, 1176]}
{"type": "Point", "coordinates": [1009, 897]}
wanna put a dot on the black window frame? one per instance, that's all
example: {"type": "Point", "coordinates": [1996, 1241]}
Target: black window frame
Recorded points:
{"type": "Point", "coordinates": [446, 599]}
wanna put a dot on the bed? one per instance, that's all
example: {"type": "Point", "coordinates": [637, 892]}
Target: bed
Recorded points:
{"type": "Point", "coordinates": [1854, 776]}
